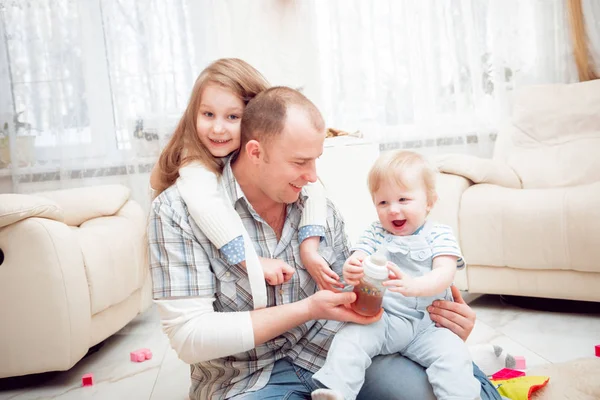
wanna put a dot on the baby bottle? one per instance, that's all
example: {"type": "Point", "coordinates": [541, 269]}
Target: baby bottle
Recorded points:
{"type": "Point", "coordinates": [369, 291]}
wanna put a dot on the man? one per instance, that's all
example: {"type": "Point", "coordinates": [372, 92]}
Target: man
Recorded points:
{"type": "Point", "coordinates": [206, 304]}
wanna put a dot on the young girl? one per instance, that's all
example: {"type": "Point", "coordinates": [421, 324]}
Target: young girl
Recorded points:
{"type": "Point", "coordinates": [208, 132]}
{"type": "Point", "coordinates": [402, 186]}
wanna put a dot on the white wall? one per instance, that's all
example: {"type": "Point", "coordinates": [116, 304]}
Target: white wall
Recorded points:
{"type": "Point", "coordinates": [343, 170]}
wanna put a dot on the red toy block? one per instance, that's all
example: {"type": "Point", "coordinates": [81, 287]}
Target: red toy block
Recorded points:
{"type": "Point", "coordinates": [520, 362]}
{"type": "Point", "coordinates": [506, 373]}
{"type": "Point", "coordinates": [140, 355]}
{"type": "Point", "coordinates": [598, 350]}
{"type": "Point", "coordinates": [87, 380]}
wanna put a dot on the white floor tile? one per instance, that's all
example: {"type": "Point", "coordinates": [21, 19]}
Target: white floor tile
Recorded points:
{"type": "Point", "coordinates": [556, 337]}
{"type": "Point", "coordinates": [115, 376]}
{"type": "Point", "coordinates": [173, 381]}
{"type": "Point", "coordinates": [483, 334]}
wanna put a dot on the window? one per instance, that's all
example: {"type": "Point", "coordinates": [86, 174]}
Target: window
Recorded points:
{"type": "Point", "coordinates": [81, 73]}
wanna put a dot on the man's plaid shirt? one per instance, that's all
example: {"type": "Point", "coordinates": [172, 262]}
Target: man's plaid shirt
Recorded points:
{"type": "Point", "coordinates": [184, 263]}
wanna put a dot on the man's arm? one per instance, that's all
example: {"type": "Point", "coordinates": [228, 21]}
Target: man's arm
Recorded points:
{"type": "Point", "coordinates": [271, 322]}
{"type": "Point", "coordinates": [184, 290]}
{"type": "Point", "coordinates": [184, 285]}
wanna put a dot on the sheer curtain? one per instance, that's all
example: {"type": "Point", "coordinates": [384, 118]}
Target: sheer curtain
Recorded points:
{"type": "Point", "coordinates": [91, 89]}
{"type": "Point", "coordinates": [438, 74]}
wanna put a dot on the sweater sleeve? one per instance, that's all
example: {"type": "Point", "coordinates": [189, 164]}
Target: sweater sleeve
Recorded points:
{"type": "Point", "coordinates": [214, 214]}
{"type": "Point", "coordinates": [197, 333]}
{"type": "Point", "coordinates": [208, 205]}
{"type": "Point", "coordinates": [314, 214]}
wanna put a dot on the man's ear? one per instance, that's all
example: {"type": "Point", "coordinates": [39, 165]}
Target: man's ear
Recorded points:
{"type": "Point", "coordinates": [254, 151]}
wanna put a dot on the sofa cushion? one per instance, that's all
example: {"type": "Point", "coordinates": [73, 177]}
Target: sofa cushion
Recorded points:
{"type": "Point", "coordinates": [531, 229]}
{"type": "Point", "coordinates": [113, 255]}
{"type": "Point", "coordinates": [85, 203]}
{"type": "Point", "coordinates": [477, 169]}
{"type": "Point", "coordinates": [16, 207]}
{"type": "Point", "coordinates": [555, 135]}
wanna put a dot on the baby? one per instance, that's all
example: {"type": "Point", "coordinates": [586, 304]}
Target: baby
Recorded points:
{"type": "Point", "coordinates": [424, 257]}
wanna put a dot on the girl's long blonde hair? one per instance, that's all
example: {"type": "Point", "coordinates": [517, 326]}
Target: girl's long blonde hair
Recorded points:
{"type": "Point", "coordinates": [185, 146]}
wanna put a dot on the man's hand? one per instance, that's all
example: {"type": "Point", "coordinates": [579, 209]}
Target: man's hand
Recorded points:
{"type": "Point", "coordinates": [318, 268]}
{"type": "Point", "coordinates": [456, 316]}
{"type": "Point", "coordinates": [353, 269]}
{"type": "Point", "coordinates": [402, 283]}
{"type": "Point", "coordinates": [336, 306]}
{"type": "Point", "coordinates": [276, 271]}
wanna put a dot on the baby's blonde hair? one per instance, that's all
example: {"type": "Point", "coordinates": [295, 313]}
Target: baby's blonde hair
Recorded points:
{"type": "Point", "coordinates": [393, 166]}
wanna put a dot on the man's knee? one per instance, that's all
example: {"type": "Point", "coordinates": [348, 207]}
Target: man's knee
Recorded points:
{"type": "Point", "coordinates": [396, 377]}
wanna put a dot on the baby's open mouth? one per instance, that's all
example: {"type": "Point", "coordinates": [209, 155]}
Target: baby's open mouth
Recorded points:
{"type": "Point", "coordinates": [398, 223]}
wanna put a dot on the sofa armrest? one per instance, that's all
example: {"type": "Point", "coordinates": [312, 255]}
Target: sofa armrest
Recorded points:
{"type": "Point", "coordinates": [17, 207]}
{"type": "Point", "coordinates": [450, 189]}
{"type": "Point", "coordinates": [85, 203]}
{"type": "Point", "coordinates": [479, 170]}
{"type": "Point", "coordinates": [43, 283]}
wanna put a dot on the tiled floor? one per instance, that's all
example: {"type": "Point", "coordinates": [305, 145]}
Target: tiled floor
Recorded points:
{"type": "Point", "coordinates": [541, 336]}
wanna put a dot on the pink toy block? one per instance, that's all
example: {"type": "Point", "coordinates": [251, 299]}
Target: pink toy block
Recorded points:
{"type": "Point", "coordinates": [87, 380]}
{"type": "Point", "coordinates": [136, 356]}
{"type": "Point", "coordinates": [598, 350]}
{"type": "Point", "coordinates": [140, 355]}
{"type": "Point", "coordinates": [506, 373]}
{"type": "Point", "coordinates": [147, 353]}
{"type": "Point", "coordinates": [520, 362]}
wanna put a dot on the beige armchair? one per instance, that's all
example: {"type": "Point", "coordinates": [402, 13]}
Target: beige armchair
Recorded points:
{"type": "Point", "coordinates": [72, 273]}
{"type": "Point", "coordinates": [529, 219]}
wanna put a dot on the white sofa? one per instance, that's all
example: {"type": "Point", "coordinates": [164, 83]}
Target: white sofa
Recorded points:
{"type": "Point", "coordinates": [529, 219]}
{"type": "Point", "coordinates": [73, 272]}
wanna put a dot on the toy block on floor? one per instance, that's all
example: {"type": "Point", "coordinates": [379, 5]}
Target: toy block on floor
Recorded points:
{"type": "Point", "coordinates": [520, 362]}
{"type": "Point", "coordinates": [140, 355]}
{"type": "Point", "coordinates": [506, 373]}
{"type": "Point", "coordinates": [147, 353]}
{"type": "Point", "coordinates": [598, 350]}
{"type": "Point", "coordinates": [87, 380]}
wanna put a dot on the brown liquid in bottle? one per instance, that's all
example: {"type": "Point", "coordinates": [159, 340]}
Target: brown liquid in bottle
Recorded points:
{"type": "Point", "coordinates": [368, 299]}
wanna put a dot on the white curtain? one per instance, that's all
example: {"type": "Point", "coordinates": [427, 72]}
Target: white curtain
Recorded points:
{"type": "Point", "coordinates": [91, 89]}
{"type": "Point", "coordinates": [430, 74]}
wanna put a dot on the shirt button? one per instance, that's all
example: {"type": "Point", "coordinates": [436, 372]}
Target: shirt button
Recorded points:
{"type": "Point", "coordinates": [389, 239]}
{"type": "Point", "coordinates": [421, 254]}
{"type": "Point", "coordinates": [228, 274]}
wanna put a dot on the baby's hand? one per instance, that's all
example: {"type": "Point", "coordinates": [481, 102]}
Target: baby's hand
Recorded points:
{"type": "Point", "coordinates": [276, 271]}
{"type": "Point", "coordinates": [353, 269]}
{"type": "Point", "coordinates": [317, 267]}
{"type": "Point", "coordinates": [401, 283]}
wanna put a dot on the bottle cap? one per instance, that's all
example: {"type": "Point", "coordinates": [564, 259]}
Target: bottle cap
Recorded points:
{"type": "Point", "coordinates": [375, 266]}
